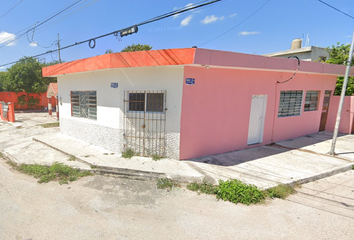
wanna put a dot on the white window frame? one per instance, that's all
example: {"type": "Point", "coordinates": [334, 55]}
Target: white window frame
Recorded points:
{"type": "Point", "coordinates": [146, 92]}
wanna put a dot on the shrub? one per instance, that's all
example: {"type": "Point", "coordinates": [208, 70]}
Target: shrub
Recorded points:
{"type": "Point", "coordinates": [238, 192]}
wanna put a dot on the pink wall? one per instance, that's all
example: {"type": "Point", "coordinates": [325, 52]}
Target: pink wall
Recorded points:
{"type": "Point", "coordinates": [347, 118]}
{"type": "Point", "coordinates": [216, 110]}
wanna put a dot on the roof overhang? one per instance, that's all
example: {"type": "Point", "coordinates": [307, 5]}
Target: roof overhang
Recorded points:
{"type": "Point", "coordinates": [192, 57]}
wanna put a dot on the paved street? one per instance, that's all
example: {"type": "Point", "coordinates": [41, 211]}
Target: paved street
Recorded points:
{"type": "Point", "coordinates": [102, 207]}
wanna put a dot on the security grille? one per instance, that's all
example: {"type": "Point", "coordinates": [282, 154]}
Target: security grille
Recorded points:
{"type": "Point", "coordinates": [145, 122]}
{"type": "Point", "coordinates": [84, 104]}
{"type": "Point", "coordinates": [290, 103]}
{"type": "Point", "coordinates": [311, 101]}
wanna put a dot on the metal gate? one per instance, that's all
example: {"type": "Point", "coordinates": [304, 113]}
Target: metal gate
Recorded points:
{"type": "Point", "coordinates": [145, 122]}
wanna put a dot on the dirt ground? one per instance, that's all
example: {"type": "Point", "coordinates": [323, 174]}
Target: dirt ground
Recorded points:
{"type": "Point", "coordinates": [102, 207]}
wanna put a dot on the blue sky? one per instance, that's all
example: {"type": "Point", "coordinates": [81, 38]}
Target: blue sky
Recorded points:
{"type": "Point", "coordinates": [270, 30]}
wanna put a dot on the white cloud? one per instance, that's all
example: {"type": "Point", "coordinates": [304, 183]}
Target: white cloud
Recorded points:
{"type": "Point", "coordinates": [186, 21]}
{"type": "Point", "coordinates": [5, 37]}
{"type": "Point", "coordinates": [233, 15]}
{"type": "Point", "coordinates": [189, 5]}
{"type": "Point", "coordinates": [211, 19]}
{"type": "Point", "coordinates": [33, 44]}
{"type": "Point", "coordinates": [245, 33]}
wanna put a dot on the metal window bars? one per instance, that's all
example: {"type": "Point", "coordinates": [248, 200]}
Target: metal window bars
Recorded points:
{"type": "Point", "coordinates": [145, 122]}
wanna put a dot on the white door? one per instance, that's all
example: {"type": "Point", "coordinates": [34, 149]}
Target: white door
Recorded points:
{"type": "Point", "coordinates": [256, 125]}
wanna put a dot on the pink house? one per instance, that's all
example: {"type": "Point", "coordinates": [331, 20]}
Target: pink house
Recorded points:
{"type": "Point", "coordinates": [188, 103]}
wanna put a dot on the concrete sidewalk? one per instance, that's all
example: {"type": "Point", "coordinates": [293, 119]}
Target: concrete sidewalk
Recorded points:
{"type": "Point", "coordinates": [294, 161]}
{"type": "Point", "coordinates": [264, 166]}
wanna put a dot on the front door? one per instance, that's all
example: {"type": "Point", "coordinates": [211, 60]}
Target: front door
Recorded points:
{"type": "Point", "coordinates": [325, 108]}
{"type": "Point", "coordinates": [256, 124]}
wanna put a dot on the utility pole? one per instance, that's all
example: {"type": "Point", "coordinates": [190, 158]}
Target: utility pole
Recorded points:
{"type": "Point", "coordinates": [59, 49]}
{"type": "Point", "coordinates": [344, 87]}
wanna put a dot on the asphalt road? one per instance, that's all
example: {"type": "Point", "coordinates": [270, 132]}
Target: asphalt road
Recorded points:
{"type": "Point", "coordinates": [102, 207]}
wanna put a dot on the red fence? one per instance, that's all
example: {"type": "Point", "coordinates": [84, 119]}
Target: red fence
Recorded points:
{"type": "Point", "coordinates": [24, 101]}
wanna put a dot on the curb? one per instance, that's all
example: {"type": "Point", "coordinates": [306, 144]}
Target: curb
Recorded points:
{"type": "Point", "coordinates": [128, 173]}
{"type": "Point", "coordinates": [332, 172]}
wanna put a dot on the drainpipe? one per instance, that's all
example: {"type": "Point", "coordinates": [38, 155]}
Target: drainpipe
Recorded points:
{"type": "Point", "coordinates": [344, 87]}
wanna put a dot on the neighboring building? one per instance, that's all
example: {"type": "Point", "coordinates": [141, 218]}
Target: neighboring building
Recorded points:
{"type": "Point", "coordinates": [187, 103]}
{"type": "Point", "coordinates": [313, 54]}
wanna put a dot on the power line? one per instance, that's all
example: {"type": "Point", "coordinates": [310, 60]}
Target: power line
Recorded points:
{"type": "Point", "coordinates": [237, 24]}
{"type": "Point", "coordinates": [327, 4]}
{"type": "Point", "coordinates": [11, 9]}
{"type": "Point", "coordinates": [41, 23]}
{"type": "Point", "coordinates": [44, 27]}
{"type": "Point", "coordinates": [158, 18]}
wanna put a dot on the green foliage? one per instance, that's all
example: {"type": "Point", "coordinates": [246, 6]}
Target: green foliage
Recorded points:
{"type": "Point", "coordinates": [108, 51]}
{"type": "Point", "coordinates": [281, 191]}
{"type": "Point", "coordinates": [128, 153]}
{"type": "Point", "coordinates": [238, 192]}
{"type": "Point", "coordinates": [29, 101]}
{"type": "Point", "coordinates": [339, 55]}
{"type": "Point", "coordinates": [163, 183]}
{"type": "Point", "coordinates": [137, 47]}
{"type": "Point", "coordinates": [26, 75]}
{"type": "Point", "coordinates": [203, 187]}
{"type": "Point", "coordinates": [57, 171]}
{"type": "Point", "coordinates": [156, 157]}
{"type": "Point", "coordinates": [72, 158]}
{"type": "Point", "coordinates": [353, 167]}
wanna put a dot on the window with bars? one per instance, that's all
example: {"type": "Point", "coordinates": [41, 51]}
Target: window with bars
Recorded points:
{"type": "Point", "coordinates": [149, 102]}
{"type": "Point", "coordinates": [84, 104]}
{"type": "Point", "coordinates": [311, 101]}
{"type": "Point", "coordinates": [290, 103]}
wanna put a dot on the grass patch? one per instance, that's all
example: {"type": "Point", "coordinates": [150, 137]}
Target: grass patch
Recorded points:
{"type": "Point", "coordinates": [203, 187]}
{"type": "Point", "coordinates": [49, 125]}
{"type": "Point", "coordinates": [238, 192]}
{"type": "Point", "coordinates": [72, 158]}
{"type": "Point", "coordinates": [352, 166]}
{"type": "Point", "coordinates": [164, 183]}
{"type": "Point", "coordinates": [156, 157]}
{"type": "Point", "coordinates": [281, 191]}
{"type": "Point", "coordinates": [128, 153]}
{"type": "Point", "coordinates": [2, 155]}
{"type": "Point", "coordinates": [57, 172]}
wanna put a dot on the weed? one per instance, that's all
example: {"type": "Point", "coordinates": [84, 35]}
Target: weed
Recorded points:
{"type": "Point", "coordinates": [128, 153]}
{"type": "Point", "coordinates": [1, 155]}
{"type": "Point", "coordinates": [156, 157]}
{"type": "Point", "coordinates": [238, 192]}
{"type": "Point", "coordinates": [49, 125]}
{"type": "Point", "coordinates": [352, 166]}
{"type": "Point", "coordinates": [280, 191]}
{"type": "Point", "coordinates": [72, 158]}
{"type": "Point", "coordinates": [57, 171]}
{"type": "Point", "coordinates": [163, 183]}
{"type": "Point", "coordinates": [11, 163]}
{"type": "Point", "coordinates": [203, 187]}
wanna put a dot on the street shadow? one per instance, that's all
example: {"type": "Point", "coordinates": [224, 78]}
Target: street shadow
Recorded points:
{"type": "Point", "coordinates": [251, 154]}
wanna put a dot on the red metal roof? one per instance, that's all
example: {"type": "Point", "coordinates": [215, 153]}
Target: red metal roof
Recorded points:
{"type": "Point", "coordinates": [165, 57]}
{"type": "Point", "coordinates": [191, 56]}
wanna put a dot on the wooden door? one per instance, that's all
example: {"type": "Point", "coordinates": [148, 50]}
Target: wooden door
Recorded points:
{"type": "Point", "coordinates": [325, 108]}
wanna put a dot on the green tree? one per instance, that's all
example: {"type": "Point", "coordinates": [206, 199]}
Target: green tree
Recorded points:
{"type": "Point", "coordinates": [339, 55]}
{"type": "Point", "coordinates": [26, 76]}
{"type": "Point", "coordinates": [3, 76]}
{"type": "Point", "coordinates": [108, 51]}
{"type": "Point", "coordinates": [137, 47]}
